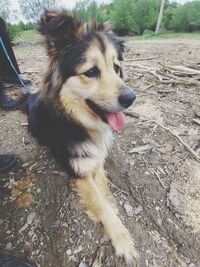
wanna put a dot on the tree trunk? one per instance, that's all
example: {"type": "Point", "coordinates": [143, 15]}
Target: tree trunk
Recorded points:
{"type": "Point", "coordinates": [160, 16]}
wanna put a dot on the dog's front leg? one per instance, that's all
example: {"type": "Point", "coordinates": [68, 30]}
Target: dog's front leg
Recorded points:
{"type": "Point", "coordinates": [95, 196]}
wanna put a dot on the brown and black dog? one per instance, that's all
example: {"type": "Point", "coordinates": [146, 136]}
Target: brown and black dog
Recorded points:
{"type": "Point", "coordinates": [77, 109]}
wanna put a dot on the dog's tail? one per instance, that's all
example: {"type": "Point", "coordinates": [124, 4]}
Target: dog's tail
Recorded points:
{"type": "Point", "coordinates": [95, 196]}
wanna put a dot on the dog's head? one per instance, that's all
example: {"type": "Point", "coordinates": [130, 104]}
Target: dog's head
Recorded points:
{"type": "Point", "coordinates": [85, 65]}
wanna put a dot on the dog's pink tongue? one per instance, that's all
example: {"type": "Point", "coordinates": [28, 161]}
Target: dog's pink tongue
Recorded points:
{"type": "Point", "coordinates": [116, 120]}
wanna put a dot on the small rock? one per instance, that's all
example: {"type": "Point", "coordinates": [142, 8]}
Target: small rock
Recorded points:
{"type": "Point", "coordinates": [31, 217]}
{"type": "Point", "coordinates": [29, 221]}
{"type": "Point", "coordinates": [79, 249]}
{"type": "Point", "coordinates": [83, 264]}
{"type": "Point", "coordinates": [65, 224]}
{"type": "Point", "coordinates": [131, 162]}
{"type": "Point", "coordinates": [103, 239]}
{"type": "Point", "coordinates": [129, 209]}
{"type": "Point", "coordinates": [55, 172]}
{"type": "Point", "coordinates": [138, 210]}
{"type": "Point", "coordinates": [134, 142]}
{"type": "Point", "coordinates": [69, 252]}
{"type": "Point", "coordinates": [176, 198]}
{"type": "Point", "coordinates": [121, 202]}
{"type": "Point", "coordinates": [38, 190]}
{"type": "Point", "coordinates": [9, 246]}
{"type": "Point", "coordinates": [26, 164]}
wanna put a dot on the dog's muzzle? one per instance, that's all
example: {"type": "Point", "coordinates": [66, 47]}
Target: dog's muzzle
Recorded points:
{"type": "Point", "coordinates": [127, 97]}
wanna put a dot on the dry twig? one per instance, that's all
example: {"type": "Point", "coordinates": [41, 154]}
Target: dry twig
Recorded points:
{"type": "Point", "coordinates": [142, 58]}
{"type": "Point", "coordinates": [197, 157]}
{"type": "Point", "coordinates": [118, 189]}
{"type": "Point", "coordinates": [196, 121]}
{"type": "Point", "coordinates": [159, 179]}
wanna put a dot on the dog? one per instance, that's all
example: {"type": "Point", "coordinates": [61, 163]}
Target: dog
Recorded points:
{"type": "Point", "coordinates": [79, 107]}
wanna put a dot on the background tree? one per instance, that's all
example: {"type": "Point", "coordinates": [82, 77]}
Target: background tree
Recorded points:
{"type": "Point", "coordinates": [162, 5]}
{"type": "Point", "coordinates": [186, 18]}
{"type": "Point", "coordinates": [32, 9]}
{"type": "Point", "coordinates": [90, 10]}
{"type": "Point", "coordinates": [145, 15]}
{"type": "Point", "coordinates": [169, 11]}
{"type": "Point", "coordinates": [122, 15]}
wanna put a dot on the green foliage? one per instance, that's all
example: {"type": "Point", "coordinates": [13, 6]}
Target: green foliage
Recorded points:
{"type": "Point", "coordinates": [89, 10]}
{"type": "Point", "coordinates": [186, 18]}
{"type": "Point", "coordinates": [122, 15]}
{"type": "Point", "coordinates": [14, 30]}
{"type": "Point", "coordinates": [126, 16]}
{"type": "Point", "coordinates": [145, 15]}
{"type": "Point", "coordinates": [140, 16]}
{"type": "Point", "coordinates": [167, 17]}
{"type": "Point", "coordinates": [135, 15]}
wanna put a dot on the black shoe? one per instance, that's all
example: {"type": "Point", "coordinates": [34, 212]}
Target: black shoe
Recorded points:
{"type": "Point", "coordinates": [6, 162]}
{"type": "Point", "coordinates": [8, 103]}
{"type": "Point", "coordinates": [14, 81]}
{"type": "Point", "coordinates": [13, 262]}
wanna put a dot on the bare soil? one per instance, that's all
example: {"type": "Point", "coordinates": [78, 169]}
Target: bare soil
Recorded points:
{"type": "Point", "coordinates": [157, 189]}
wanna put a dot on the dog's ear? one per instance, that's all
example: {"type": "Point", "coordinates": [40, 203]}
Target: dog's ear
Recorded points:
{"type": "Point", "coordinates": [59, 29]}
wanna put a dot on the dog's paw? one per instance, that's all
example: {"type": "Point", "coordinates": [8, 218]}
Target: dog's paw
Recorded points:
{"type": "Point", "coordinates": [124, 247]}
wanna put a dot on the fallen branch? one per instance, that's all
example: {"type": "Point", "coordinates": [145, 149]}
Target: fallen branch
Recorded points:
{"type": "Point", "coordinates": [183, 69]}
{"type": "Point", "coordinates": [179, 80]}
{"type": "Point", "coordinates": [132, 114]}
{"type": "Point", "coordinates": [118, 189]}
{"type": "Point", "coordinates": [142, 58]}
{"type": "Point", "coordinates": [165, 91]}
{"type": "Point", "coordinates": [31, 71]}
{"type": "Point", "coordinates": [159, 179]}
{"type": "Point", "coordinates": [169, 74]}
{"type": "Point", "coordinates": [196, 121]}
{"type": "Point", "coordinates": [148, 87]}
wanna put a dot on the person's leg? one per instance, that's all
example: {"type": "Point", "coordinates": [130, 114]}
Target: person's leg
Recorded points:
{"type": "Point", "coordinates": [8, 75]}
{"type": "Point", "coordinates": [5, 67]}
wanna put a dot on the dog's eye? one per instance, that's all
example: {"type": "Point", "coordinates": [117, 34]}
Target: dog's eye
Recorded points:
{"type": "Point", "coordinates": [117, 68]}
{"type": "Point", "coordinates": [93, 72]}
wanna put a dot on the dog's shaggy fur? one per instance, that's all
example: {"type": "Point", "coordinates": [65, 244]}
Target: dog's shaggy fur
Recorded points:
{"type": "Point", "coordinates": [74, 113]}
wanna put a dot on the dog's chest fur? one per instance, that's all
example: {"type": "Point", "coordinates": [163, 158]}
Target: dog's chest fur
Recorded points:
{"type": "Point", "coordinates": [95, 147]}
{"type": "Point", "coordinates": [77, 149]}
{"type": "Point", "coordinates": [98, 143]}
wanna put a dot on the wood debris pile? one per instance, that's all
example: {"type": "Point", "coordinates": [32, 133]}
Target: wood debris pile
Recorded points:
{"type": "Point", "coordinates": [167, 73]}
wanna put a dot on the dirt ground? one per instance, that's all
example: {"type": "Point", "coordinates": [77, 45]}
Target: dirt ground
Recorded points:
{"type": "Point", "coordinates": [157, 188]}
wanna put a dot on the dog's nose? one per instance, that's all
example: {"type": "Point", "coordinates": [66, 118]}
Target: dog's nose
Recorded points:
{"type": "Point", "coordinates": [127, 97]}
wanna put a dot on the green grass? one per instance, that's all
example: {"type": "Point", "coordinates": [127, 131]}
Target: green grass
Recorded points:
{"type": "Point", "coordinates": [30, 35]}
{"type": "Point", "coordinates": [163, 35]}
{"type": "Point", "coordinates": [33, 36]}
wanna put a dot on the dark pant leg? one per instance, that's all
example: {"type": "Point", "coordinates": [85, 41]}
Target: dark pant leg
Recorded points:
{"type": "Point", "coordinates": [5, 67]}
